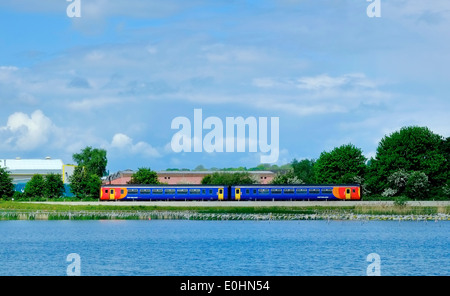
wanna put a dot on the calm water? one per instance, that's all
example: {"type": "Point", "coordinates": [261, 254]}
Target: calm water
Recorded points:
{"type": "Point", "coordinates": [224, 248]}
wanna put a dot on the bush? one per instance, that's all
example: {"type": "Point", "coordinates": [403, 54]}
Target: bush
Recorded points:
{"type": "Point", "coordinates": [35, 188]}
{"type": "Point", "coordinates": [417, 186]}
{"type": "Point", "coordinates": [6, 184]}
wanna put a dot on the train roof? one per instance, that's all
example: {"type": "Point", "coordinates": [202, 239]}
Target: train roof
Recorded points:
{"type": "Point", "coordinates": [243, 185]}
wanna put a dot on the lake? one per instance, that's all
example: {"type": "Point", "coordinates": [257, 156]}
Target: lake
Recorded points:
{"type": "Point", "coordinates": [224, 248]}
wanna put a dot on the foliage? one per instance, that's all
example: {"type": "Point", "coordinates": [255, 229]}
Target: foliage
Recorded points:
{"type": "Point", "coordinates": [304, 170]}
{"type": "Point", "coordinates": [54, 186]}
{"type": "Point", "coordinates": [144, 176]}
{"type": "Point", "coordinates": [414, 185]}
{"type": "Point", "coordinates": [400, 201]}
{"type": "Point", "coordinates": [35, 188]}
{"type": "Point", "coordinates": [286, 178]}
{"type": "Point", "coordinates": [238, 178]}
{"type": "Point", "coordinates": [341, 165]}
{"type": "Point", "coordinates": [411, 149]}
{"type": "Point", "coordinates": [417, 186]}
{"type": "Point", "coordinates": [83, 184]}
{"type": "Point", "coordinates": [6, 184]}
{"type": "Point", "coordinates": [94, 160]}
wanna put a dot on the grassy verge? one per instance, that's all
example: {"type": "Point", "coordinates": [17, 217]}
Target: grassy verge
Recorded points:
{"type": "Point", "coordinates": [29, 211]}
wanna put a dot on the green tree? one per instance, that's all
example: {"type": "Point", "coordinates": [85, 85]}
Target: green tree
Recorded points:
{"type": "Point", "coordinates": [413, 149]}
{"type": "Point", "coordinates": [304, 170]}
{"type": "Point", "coordinates": [35, 188]}
{"type": "Point", "coordinates": [6, 184]}
{"type": "Point", "coordinates": [144, 176]}
{"type": "Point", "coordinates": [238, 178]}
{"type": "Point", "coordinates": [93, 159]}
{"type": "Point", "coordinates": [54, 186]}
{"type": "Point", "coordinates": [286, 177]}
{"type": "Point", "coordinates": [342, 165]}
{"type": "Point", "coordinates": [83, 184]}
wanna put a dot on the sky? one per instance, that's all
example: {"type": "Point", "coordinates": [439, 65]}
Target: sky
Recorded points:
{"type": "Point", "coordinates": [118, 76]}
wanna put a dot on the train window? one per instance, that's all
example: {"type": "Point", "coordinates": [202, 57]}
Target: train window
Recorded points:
{"type": "Point", "coordinates": [276, 191]}
{"type": "Point", "coordinates": [254, 191]}
{"type": "Point", "coordinates": [121, 191]}
{"type": "Point", "coordinates": [327, 190]}
{"type": "Point", "coordinates": [145, 191]}
{"type": "Point", "coordinates": [314, 191]}
{"type": "Point", "coordinates": [264, 191]}
{"type": "Point", "coordinates": [210, 191]}
{"type": "Point", "coordinates": [106, 190]}
{"type": "Point", "coordinates": [302, 191]}
{"type": "Point", "coordinates": [157, 191]}
{"type": "Point", "coordinates": [182, 191]}
{"type": "Point", "coordinates": [354, 190]}
{"type": "Point", "coordinates": [170, 191]}
{"type": "Point", "coordinates": [203, 191]}
{"type": "Point", "coordinates": [289, 191]}
{"type": "Point", "coordinates": [194, 191]}
{"type": "Point", "coordinates": [247, 191]}
{"type": "Point", "coordinates": [132, 191]}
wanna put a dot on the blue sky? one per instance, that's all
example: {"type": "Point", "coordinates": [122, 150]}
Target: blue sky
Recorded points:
{"type": "Point", "coordinates": [116, 77]}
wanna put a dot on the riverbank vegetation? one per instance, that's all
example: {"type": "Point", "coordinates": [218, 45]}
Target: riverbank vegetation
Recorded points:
{"type": "Point", "coordinates": [10, 210]}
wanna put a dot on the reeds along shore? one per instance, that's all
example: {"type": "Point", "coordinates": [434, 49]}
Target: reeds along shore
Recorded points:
{"type": "Point", "coordinates": [187, 215]}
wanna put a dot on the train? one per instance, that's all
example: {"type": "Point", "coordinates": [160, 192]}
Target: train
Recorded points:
{"type": "Point", "coordinates": [229, 193]}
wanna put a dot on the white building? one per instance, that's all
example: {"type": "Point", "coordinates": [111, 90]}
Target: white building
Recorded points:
{"type": "Point", "coordinates": [22, 170]}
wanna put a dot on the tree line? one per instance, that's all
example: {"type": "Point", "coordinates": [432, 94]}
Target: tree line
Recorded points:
{"type": "Point", "coordinates": [411, 162]}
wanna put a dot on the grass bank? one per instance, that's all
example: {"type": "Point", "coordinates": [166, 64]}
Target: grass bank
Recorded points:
{"type": "Point", "coordinates": [10, 210]}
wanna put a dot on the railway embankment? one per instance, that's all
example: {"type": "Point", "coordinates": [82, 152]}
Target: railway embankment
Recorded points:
{"type": "Point", "coordinates": [257, 211]}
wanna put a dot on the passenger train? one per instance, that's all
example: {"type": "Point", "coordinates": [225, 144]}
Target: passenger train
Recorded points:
{"type": "Point", "coordinates": [229, 193]}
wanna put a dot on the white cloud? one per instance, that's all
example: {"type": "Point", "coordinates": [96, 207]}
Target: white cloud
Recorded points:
{"type": "Point", "coordinates": [28, 132]}
{"type": "Point", "coordinates": [125, 144]}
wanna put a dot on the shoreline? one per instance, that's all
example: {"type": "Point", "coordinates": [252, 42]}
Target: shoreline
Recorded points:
{"type": "Point", "coordinates": [219, 211]}
{"type": "Point", "coordinates": [186, 215]}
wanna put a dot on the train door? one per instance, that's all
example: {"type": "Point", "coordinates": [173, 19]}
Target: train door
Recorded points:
{"type": "Point", "coordinates": [237, 193]}
{"type": "Point", "coordinates": [347, 193]}
{"type": "Point", "coordinates": [220, 193]}
{"type": "Point", "coordinates": [111, 194]}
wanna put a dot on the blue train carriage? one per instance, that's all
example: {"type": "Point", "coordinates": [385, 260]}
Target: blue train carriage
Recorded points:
{"type": "Point", "coordinates": [163, 192]}
{"type": "Point", "coordinates": [296, 192]}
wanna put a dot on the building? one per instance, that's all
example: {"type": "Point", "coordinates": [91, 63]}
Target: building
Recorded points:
{"type": "Point", "coordinates": [22, 170]}
{"type": "Point", "coordinates": [184, 177]}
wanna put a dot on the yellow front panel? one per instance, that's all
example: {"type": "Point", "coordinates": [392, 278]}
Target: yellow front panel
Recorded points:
{"type": "Point", "coordinates": [220, 193]}
{"type": "Point", "coordinates": [347, 193]}
{"type": "Point", "coordinates": [238, 193]}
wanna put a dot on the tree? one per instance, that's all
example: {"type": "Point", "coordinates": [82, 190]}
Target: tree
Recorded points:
{"type": "Point", "coordinates": [284, 178]}
{"type": "Point", "coordinates": [54, 186]}
{"type": "Point", "coordinates": [304, 170]}
{"type": "Point", "coordinates": [413, 149]}
{"type": "Point", "coordinates": [342, 165]}
{"type": "Point", "coordinates": [94, 160]}
{"type": "Point", "coordinates": [6, 184]}
{"type": "Point", "coordinates": [83, 184]}
{"type": "Point", "coordinates": [144, 176]}
{"type": "Point", "coordinates": [228, 179]}
{"type": "Point", "coordinates": [35, 188]}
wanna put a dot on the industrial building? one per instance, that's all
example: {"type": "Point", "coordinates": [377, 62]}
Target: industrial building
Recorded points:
{"type": "Point", "coordinates": [22, 170]}
{"type": "Point", "coordinates": [184, 177]}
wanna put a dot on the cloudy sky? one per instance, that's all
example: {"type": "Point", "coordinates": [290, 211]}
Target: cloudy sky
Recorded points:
{"type": "Point", "coordinates": [116, 77]}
